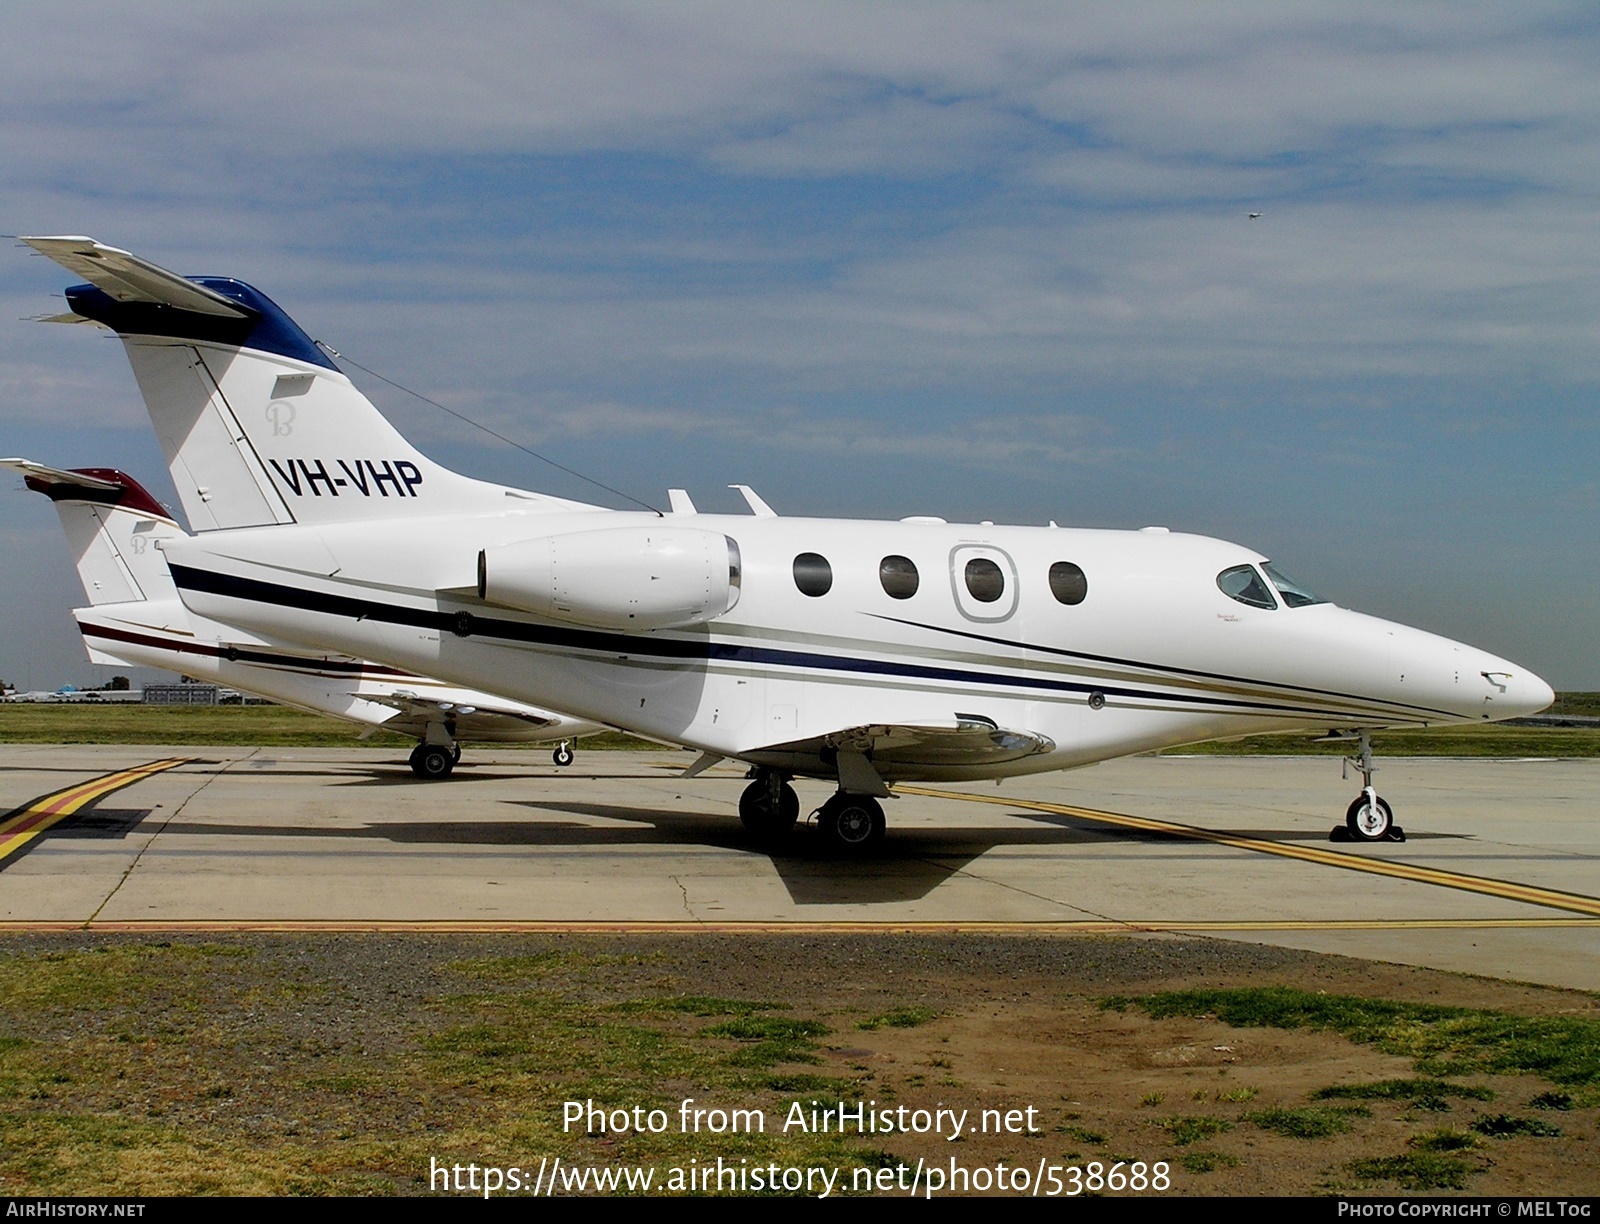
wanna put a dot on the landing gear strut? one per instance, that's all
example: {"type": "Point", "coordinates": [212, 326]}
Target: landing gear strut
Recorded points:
{"type": "Point", "coordinates": [1368, 818]}
{"type": "Point", "coordinates": [434, 762]}
{"type": "Point", "coordinates": [851, 824]}
{"type": "Point", "coordinates": [769, 807]}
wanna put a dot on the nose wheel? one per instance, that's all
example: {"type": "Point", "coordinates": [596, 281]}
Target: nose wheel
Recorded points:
{"type": "Point", "coordinates": [1369, 818]}
{"type": "Point", "coordinates": [563, 755]}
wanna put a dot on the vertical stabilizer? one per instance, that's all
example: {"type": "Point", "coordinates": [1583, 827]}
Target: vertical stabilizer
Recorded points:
{"type": "Point", "coordinates": [258, 425]}
{"type": "Point", "coordinates": [112, 526]}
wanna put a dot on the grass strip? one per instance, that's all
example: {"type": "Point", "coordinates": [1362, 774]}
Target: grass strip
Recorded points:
{"type": "Point", "coordinates": [1442, 1041]}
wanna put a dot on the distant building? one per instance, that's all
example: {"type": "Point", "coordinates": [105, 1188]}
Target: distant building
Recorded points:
{"type": "Point", "coordinates": [180, 694]}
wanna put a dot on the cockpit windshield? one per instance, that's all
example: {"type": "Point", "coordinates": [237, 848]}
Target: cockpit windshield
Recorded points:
{"type": "Point", "coordinates": [1295, 595]}
{"type": "Point", "coordinates": [1241, 582]}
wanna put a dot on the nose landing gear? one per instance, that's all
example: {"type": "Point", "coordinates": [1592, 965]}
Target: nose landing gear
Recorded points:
{"type": "Point", "coordinates": [1368, 818]}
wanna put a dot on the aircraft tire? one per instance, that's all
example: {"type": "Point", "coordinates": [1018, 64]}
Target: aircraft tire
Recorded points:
{"type": "Point", "coordinates": [455, 755]}
{"type": "Point", "coordinates": [852, 824]}
{"type": "Point", "coordinates": [1368, 822]}
{"type": "Point", "coordinates": [757, 816]}
{"type": "Point", "coordinates": [563, 756]}
{"type": "Point", "coordinates": [432, 763]}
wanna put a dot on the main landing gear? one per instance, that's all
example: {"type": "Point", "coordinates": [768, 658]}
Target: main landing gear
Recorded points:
{"type": "Point", "coordinates": [434, 762]}
{"type": "Point", "coordinates": [851, 824]}
{"type": "Point", "coordinates": [1368, 818]}
{"type": "Point", "coordinates": [769, 807]}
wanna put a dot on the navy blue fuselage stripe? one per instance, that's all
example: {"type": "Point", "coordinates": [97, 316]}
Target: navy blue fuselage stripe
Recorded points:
{"type": "Point", "coordinates": [236, 654]}
{"type": "Point", "coordinates": [256, 591]}
{"type": "Point", "coordinates": [1176, 671]}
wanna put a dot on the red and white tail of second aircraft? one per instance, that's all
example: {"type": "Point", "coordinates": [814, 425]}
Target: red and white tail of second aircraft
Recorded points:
{"type": "Point", "coordinates": [116, 532]}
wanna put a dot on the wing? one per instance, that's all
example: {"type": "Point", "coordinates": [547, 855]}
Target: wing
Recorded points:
{"type": "Point", "coordinates": [865, 754]}
{"type": "Point", "coordinates": [413, 705]}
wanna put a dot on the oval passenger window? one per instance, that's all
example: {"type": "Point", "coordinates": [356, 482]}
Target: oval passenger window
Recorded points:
{"type": "Point", "coordinates": [899, 577]}
{"type": "Point", "coordinates": [812, 574]}
{"type": "Point", "coordinates": [985, 580]}
{"type": "Point", "coordinates": [1068, 583]}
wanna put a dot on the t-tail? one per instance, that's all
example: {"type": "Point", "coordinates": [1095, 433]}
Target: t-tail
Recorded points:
{"type": "Point", "coordinates": [114, 529]}
{"type": "Point", "coordinates": [258, 425]}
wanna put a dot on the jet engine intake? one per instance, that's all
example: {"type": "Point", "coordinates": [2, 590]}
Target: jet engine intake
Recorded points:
{"type": "Point", "coordinates": [616, 578]}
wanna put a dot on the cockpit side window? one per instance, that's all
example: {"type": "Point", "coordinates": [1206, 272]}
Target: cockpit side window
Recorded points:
{"type": "Point", "coordinates": [1241, 582]}
{"type": "Point", "coordinates": [1295, 595]}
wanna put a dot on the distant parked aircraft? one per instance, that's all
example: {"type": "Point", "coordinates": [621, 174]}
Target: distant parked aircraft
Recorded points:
{"type": "Point", "coordinates": [116, 531]}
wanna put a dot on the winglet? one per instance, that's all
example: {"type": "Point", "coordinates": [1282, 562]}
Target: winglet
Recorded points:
{"type": "Point", "coordinates": [758, 507]}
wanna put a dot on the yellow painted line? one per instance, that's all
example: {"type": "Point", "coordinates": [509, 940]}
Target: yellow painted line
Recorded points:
{"type": "Point", "coordinates": [1505, 889]}
{"type": "Point", "coordinates": [25, 823]}
{"type": "Point", "coordinates": [245, 926]}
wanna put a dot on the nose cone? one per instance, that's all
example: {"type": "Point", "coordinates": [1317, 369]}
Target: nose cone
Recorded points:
{"type": "Point", "coordinates": [1462, 682]}
{"type": "Point", "coordinates": [1523, 692]}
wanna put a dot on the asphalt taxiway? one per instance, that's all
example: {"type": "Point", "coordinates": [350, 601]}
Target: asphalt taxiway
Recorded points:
{"type": "Point", "coordinates": [1498, 875]}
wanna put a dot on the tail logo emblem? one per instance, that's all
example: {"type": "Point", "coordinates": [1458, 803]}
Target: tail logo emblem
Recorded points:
{"type": "Point", "coordinates": [281, 415]}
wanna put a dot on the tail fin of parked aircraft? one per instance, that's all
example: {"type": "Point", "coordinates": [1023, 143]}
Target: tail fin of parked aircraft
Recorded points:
{"type": "Point", "coordinates": [112, 527]}
{"type": "Point", "coordinates": [257, 423]}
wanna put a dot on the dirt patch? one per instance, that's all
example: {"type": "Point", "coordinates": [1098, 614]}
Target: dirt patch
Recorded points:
{"type": "Point", "coordinates": [343, 1064]}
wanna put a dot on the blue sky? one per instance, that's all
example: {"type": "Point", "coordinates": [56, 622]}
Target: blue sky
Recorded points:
{"type": "Point", "coordinates": [982, 261]}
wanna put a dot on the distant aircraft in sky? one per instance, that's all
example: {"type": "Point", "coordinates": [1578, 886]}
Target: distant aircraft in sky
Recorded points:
{"type": "Point", "coordinates": [864, 653]}
{"type": "Point", "coordinates": [116, 531]}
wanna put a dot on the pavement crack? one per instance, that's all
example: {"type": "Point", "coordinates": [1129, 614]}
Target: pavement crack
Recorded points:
{"type": "Point", "coordinates": [150, 841]}
{"type": "Point", "coordinates": [687, 908]}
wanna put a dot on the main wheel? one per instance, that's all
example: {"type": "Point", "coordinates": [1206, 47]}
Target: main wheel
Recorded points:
{"type": "Point", "coordinates": [432, 762]}
{"type": "Point", "coordinates": [851, 823]}
{"type": "Point", "coordinates": [758, 815]}
{"type": "Point", "coordinates": [562, 756]}
{"type": "Point", "coordinates": [1369, 821]}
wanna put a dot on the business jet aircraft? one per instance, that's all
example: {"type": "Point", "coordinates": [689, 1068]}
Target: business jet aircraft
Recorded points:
{"type": "Point", "coordinates": [865, 653]}
{"type": "Point", "coordinates": [115, 530]}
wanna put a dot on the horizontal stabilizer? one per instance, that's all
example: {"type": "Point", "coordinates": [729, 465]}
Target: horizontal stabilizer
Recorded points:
{"type": "Point", "coordinates": [127, 278]}
{"type": "Point", "coordinates": [64, 318]}
{"type": "Point", "coordinates": [102, 486]}
{"type": "Point", "coordinates": [59, 476]}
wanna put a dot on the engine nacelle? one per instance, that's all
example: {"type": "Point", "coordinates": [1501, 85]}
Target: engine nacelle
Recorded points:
{"type": "Point", "coordinates": [617, 577]}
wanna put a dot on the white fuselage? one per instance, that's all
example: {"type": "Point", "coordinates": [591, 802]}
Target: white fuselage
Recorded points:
{"type": "Point", "coordinates": [1154, 655]}
{"type": "Point", "coordinates": [164, 635]}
